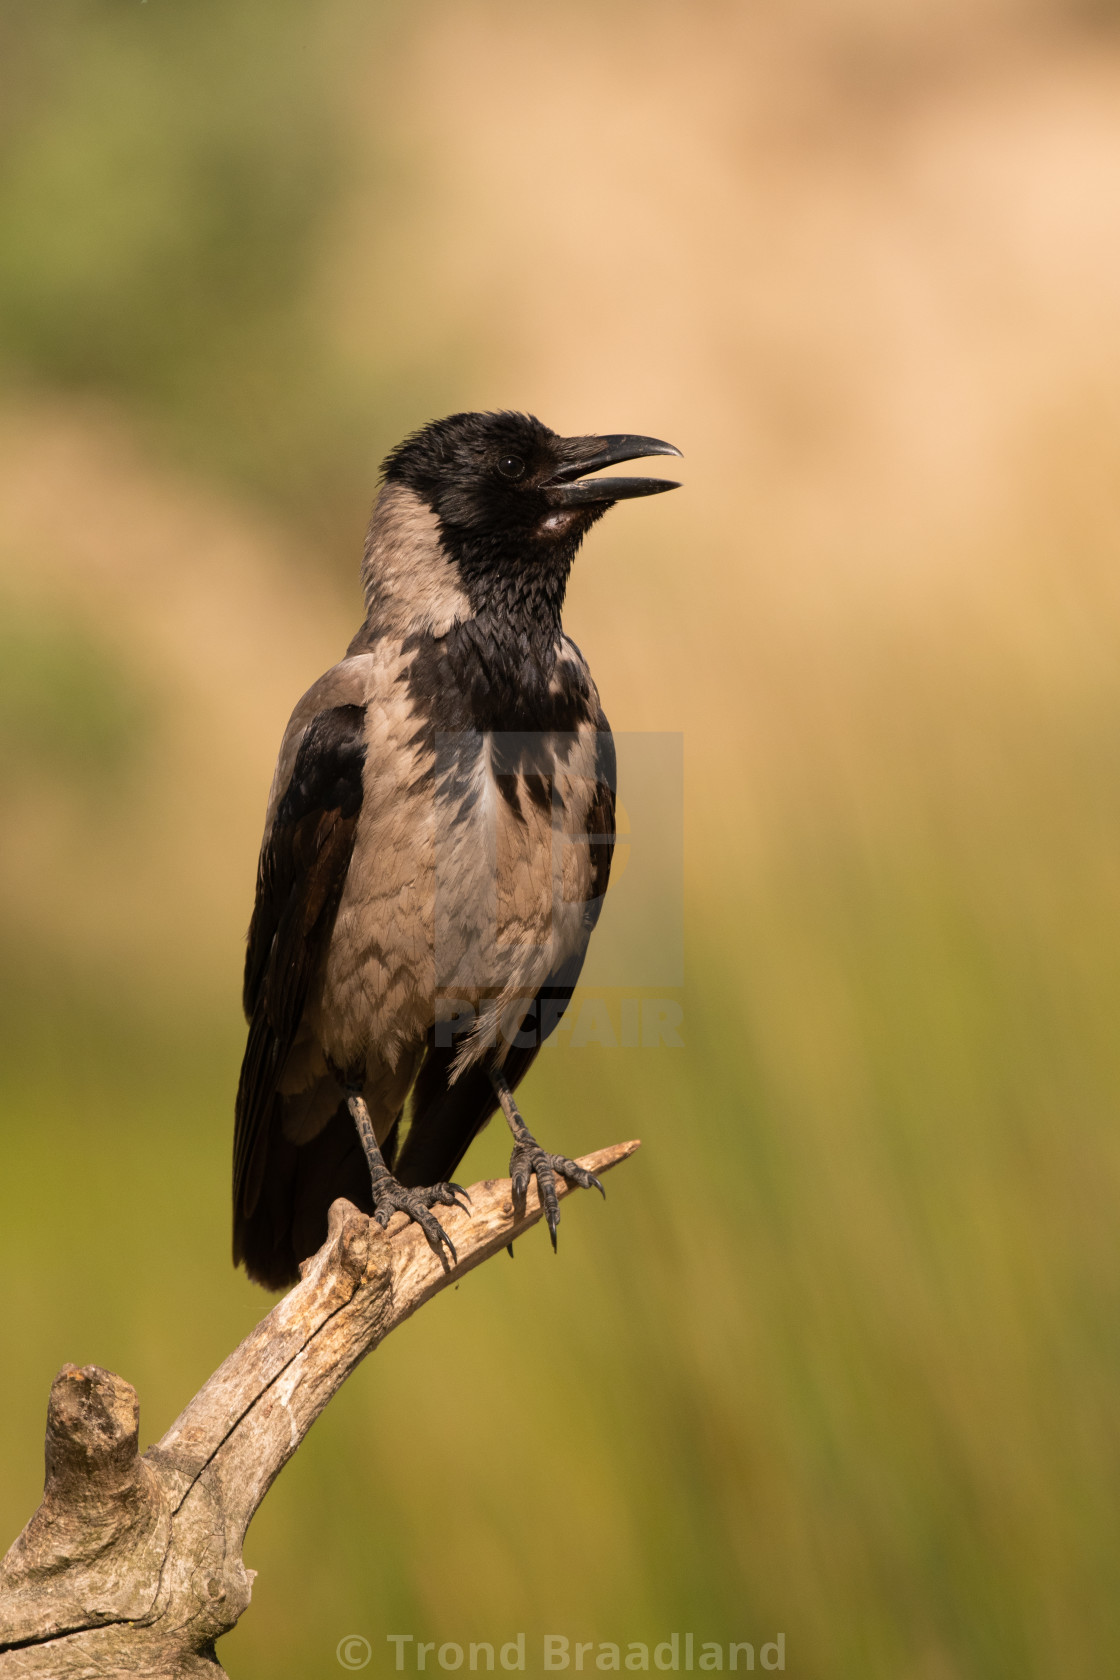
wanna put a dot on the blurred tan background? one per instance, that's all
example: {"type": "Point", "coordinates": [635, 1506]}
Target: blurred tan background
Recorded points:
{"type": "Point", "coordinates": [840, 1355]}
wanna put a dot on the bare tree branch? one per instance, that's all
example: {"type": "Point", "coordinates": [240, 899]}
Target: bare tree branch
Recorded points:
{"type": "Point", "coordinates": [132, 1566]}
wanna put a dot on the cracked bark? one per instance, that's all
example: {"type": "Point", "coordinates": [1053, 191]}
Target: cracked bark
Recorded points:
{"type": "Point", "coordinates": [132, 1565]}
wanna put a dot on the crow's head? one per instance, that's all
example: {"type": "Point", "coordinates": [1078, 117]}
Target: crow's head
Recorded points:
{"type": "Point", "coordinates": [511, 497]}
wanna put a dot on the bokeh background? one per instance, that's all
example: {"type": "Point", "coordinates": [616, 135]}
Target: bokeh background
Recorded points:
{"type": "Point", "coordinates": [840, 1355]}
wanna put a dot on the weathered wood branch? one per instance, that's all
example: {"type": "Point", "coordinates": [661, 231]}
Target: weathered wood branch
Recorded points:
{"type": "Point", "coordinates": [132, 1565]}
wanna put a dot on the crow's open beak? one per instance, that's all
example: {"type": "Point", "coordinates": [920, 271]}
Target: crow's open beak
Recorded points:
{"type": "Point", "coordinates": [569, 488]}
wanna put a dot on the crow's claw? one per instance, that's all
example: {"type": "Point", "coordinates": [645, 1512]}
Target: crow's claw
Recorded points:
{"type": "Point", "coordinates": [447, 1195]}
{"type": "Point", "coordinates": [391, 1197]}
{"type": "Point", "coordinates": [529, 1161]}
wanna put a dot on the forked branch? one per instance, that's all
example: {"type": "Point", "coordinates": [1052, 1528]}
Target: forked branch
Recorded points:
{"type": "Point", "coordinates": [132, 1565]}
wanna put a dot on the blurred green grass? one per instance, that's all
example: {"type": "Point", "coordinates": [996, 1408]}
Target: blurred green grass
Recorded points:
{"type": "Point", "coordinates": [839, 1356]}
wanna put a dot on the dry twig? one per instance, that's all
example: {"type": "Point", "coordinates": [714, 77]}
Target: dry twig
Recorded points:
{"type": "Point", "coordinates": [132, 1566]}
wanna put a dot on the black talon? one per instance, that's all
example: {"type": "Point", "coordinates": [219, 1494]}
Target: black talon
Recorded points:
{"type": "Point", "coordinates": [445, 1195]}
{"type": "Point", "coordinates": [390, 1197]}
{"type": "Point", "coordinates": [529, 1161]}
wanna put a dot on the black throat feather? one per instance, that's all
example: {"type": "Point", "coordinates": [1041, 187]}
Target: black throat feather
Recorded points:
{"type": "Point", "coordinates": [503, 668]}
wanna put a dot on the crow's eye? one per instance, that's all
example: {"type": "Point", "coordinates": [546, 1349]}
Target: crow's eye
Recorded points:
{"type": "Point", "coordinates": [511, 466]}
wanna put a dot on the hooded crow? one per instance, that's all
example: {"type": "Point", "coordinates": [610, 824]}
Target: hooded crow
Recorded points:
{"type": "Point", "coordinates": [436, 849]}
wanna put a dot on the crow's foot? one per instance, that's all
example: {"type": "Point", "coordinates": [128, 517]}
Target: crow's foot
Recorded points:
{"type": "Point", "coordinates": [390, 1197]}
{"type": "Point", "coordinates": [529, 1161]}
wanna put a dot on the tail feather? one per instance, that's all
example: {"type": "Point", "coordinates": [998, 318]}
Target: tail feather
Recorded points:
{"type": "Point", "coordinates": [297, 1186]}
{"type": "Point", "coordinates": [445, 1119]}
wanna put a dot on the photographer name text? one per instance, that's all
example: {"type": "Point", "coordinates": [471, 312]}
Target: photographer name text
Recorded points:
{"type": "Point", "coordinates": [679, 1652]}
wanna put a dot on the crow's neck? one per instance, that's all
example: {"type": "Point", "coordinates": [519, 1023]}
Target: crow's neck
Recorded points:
{"type": "Point", "coordinates": [517, 606]}
{"type": "Point", "coordinates": [498, 671]}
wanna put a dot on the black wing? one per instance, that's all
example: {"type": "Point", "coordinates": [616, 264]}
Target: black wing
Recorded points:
{"type": "Point", "coordinates": [446, 1116]}
{"type": "Point", "coordinates": [303, 864]}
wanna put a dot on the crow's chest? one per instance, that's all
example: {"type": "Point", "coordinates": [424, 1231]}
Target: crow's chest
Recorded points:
{"type": "Point", "coordinates": [470, 868]}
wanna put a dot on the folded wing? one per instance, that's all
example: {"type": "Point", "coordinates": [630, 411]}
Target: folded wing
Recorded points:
{"type": "Point", "coordinates": [300, 876]}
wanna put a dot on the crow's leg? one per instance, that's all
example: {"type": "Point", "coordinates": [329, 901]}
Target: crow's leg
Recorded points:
{"type": "Point", "coordinates": [390, 1196]}
{"type": "Point", "coordinates": [529, 1160]}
